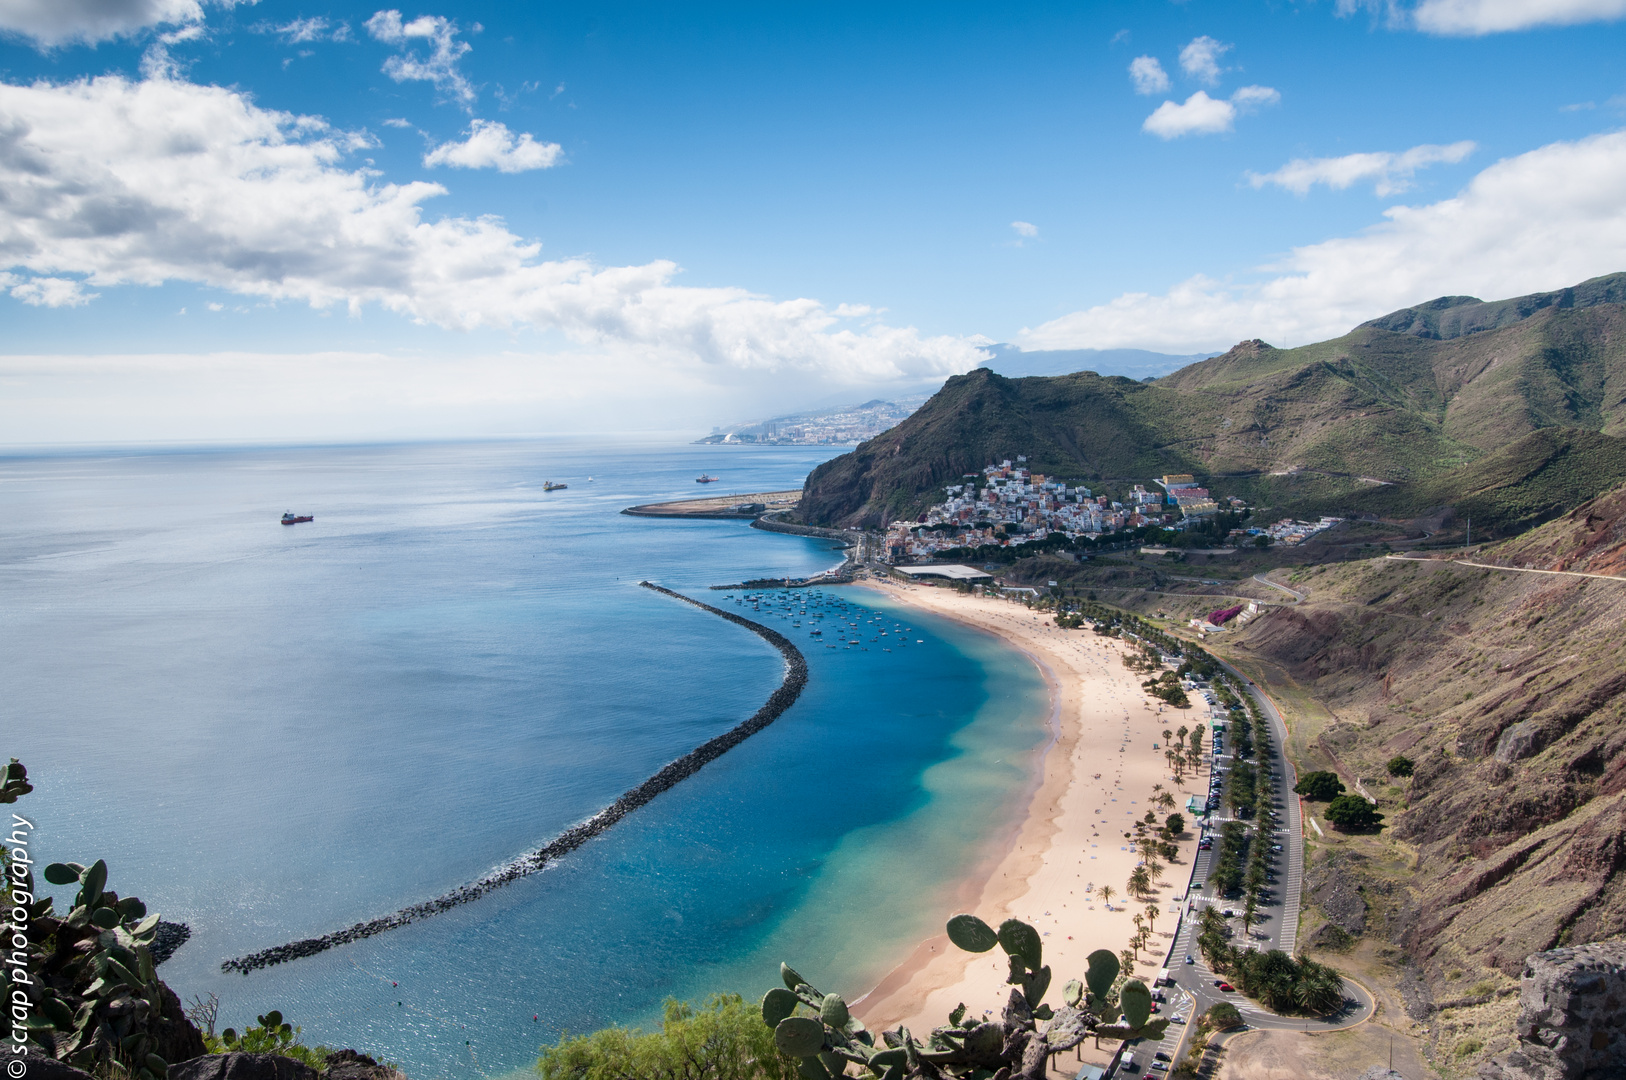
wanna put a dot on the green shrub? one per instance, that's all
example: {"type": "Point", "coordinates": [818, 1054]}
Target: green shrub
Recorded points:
{"type": "Point", "coordinates": [270, 1036]}
{"type": "Point", "coordinates": [1401, 765]}
{"type": "Point", "coordinates": [1320, 786]}
{"type": "Point", "coordinates": [1221, 1017]}
{"type": "Point", "coordinates": [1350, 813]}
{"type": "Point", "coordinates": [723, 1040]}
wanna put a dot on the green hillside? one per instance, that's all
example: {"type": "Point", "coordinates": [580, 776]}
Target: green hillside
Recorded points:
{"type": "Point", "coordinates": [1409, 399]}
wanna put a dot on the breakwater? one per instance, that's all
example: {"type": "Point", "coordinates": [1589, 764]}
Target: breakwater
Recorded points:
{"type": "Point", "coordinates": [790, 688]}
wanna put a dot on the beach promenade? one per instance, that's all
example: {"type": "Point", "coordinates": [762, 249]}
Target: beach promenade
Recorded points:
{"type": "Point", "coordinates": [1098, 775]}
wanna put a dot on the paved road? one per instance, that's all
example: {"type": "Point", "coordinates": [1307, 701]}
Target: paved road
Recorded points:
{"type": "Point", "coordinates": [1511, 569]}
{"type": "Point", "coordinates": [1294, 593]}
{"type": "Point", "coordinates": [1194, 991]}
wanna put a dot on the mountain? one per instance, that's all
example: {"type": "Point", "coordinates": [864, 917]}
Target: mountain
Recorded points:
{"type": "Point", "coordinates": [1014, 363]}
{"type": "Point", "coordinates": [1403, 400]}
{"type": "Point", "coordinates": [1506, 692]}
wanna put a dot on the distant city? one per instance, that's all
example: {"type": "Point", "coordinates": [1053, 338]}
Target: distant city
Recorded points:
{"type": "Point", "coordinates": [842, 425]}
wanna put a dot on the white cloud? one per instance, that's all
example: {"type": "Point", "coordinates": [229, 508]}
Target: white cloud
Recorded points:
{"type": "Point", "coordinates": [1472, 18]}
{"type": "Point", "coordinates": [46, 291]}
{"type": "Point", "coordinates": [491, 145]}
{"type": "Point", "coordinates": [1542, 220]}
{"type": "Point", "coordinates": [299, 31]}
{"type": "Point", "coordinates": [126, 182]}
{"type": "Point", "coordinates": [1025, 228]}
{"type": "Point", "coordinates": [439, 67]}
{"type": "Point", "coordinates": [1200, 59]}
{"type": "Point", "coordinates": [397, 122]}
{"type": "Point", "coordinates": [1392, 172]}
{"type": "Point", "coordinates": [1203, 115]}
{"type": "Point", "coordinates": [52, 23]}
{"type": "Point", "coordinates": [1200, 115]}
{"type": "Point", "coordinates": [1148, 75]}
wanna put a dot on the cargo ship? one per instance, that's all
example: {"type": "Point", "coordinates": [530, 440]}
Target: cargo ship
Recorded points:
{"type": "Point", "coordinates": [704, 479]}
{"type": "Point", "coordinates": [291, 518]}
{"type": "Point", "coordinates": [549, 485]}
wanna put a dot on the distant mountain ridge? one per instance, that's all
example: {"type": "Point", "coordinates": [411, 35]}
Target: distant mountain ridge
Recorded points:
{"type": "Point", "coordinates": [1407, 399]}
{"type": "Point", "coordinates": [1014, 363]}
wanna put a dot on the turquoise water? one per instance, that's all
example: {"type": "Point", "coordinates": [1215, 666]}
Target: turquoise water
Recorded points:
{"type": "Point", "coordinates": [273, 732]}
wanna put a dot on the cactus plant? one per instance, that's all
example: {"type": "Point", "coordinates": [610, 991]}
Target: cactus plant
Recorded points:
{"type": "Point", "coordinates": [819, 1030]}
{"type": "Point", "coordinates": [95, 999]}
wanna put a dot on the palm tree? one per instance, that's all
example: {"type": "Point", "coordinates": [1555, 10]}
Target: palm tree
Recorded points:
{"type": "Point", "coordinates": [1210, 920]}
{"type": "Point", "coordinates": [1139, 881]}
{"type": "Point", "coordinates": [1151, 916]}
{"type": "Point", "coordinates": [1105, 893]}
{"type": "Point", "coordinates": [1128, 959]}
{"type": "Point", "coordinates": [1153, 869]}
{"type": "Point", "coordinates": [1320, 989]}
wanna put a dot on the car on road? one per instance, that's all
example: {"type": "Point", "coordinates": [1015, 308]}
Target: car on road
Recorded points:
{"type": "Point", "coordinates": [1227, 987]}
{"type": "Point", "coordinates": [1191, 959]}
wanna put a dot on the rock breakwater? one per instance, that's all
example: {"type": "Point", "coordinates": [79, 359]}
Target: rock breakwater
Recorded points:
{"type": "Point", "coordinates": [684, 767]}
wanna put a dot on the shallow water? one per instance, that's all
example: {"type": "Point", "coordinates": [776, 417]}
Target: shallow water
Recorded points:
{"type": "Point", "coordinates": [271, 732]}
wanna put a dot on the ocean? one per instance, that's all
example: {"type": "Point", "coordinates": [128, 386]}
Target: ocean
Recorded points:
{"type": "Point", "coordinates": [273, 732]}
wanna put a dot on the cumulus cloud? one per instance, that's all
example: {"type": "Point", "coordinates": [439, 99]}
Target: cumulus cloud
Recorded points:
{"type": "Point", "coordinates": [1148, 75]}
{"type": "Point", "coordinates": [1473, 18]}
{"type": "Point", "coordinates": [491, 145]}
{"type": "Point", "coordinates": [1203, 115]}
{"type": "Point", "coordinates": [439, 66]}
{"type": "Point", "coordinates": [46, 291]}
{"type": "Point", "coordinates": [1541, 220]}
{"type": "Point", "coordinates": [120, 182]}
{"type": "Point", "coordinates": [1391, 172]}
{"type": "Point", "coordinates": [1025, 228]}
{"type": "Point", "coordinates": [1200, 59]}
{"type": "Point", "coordinates": [52, 23]}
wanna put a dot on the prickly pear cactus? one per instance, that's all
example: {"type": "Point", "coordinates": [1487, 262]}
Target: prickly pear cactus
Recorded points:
{"type": "Point", "coordinates": [95, 1001]}
{"type": "Point", "coordinates": [819, 1030]}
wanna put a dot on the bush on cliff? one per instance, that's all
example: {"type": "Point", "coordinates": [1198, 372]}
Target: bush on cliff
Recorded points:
{"type": "Point", "coordinates": [724, 1039]}
{"type": "Point", "coordinates": [1320, 786]}
{"type": "Point", "coordinates": [1351, 813]}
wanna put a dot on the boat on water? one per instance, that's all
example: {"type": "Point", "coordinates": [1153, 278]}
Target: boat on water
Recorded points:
{"type": "Point", "coordinates": [705, 479]}
{"type": "Point", "coordinates": [549, 485]}
{"type": "Point", "coordinates": [291, 518]}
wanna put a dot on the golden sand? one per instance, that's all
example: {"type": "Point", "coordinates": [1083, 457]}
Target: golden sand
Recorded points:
{"type": "Point", "coordinates": [1098, 777]}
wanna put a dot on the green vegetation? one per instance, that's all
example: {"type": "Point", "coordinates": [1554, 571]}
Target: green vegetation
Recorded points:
{"type": "Point", "coordinates": [1351, 813]}
{"type": "Point", "coordinates": [1175, 824]}
{"type": "Point", "coordinates": [1319, 786]}
{"type": "Point", "coordinates": [723, 1040]}
{"type": "Point", "coordinates": [1222, 1016]}
{"type": "Point", "coordinates": [1166, 687]}
{"type": "Point", "coordinates": [98, 1003]}
{"type": "Point", "coordinates": [819, 1031]}
{"type": "Point", "coordinates": [1400, 765]}
{"type": "Point", "coordinates": [270, 1036]}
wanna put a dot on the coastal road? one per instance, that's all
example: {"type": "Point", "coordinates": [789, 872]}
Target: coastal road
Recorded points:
{"type": "Point", "coordinates": [1278, 919]}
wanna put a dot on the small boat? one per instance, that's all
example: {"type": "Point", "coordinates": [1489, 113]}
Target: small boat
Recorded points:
{"type": "Point", "coordinates": [291, 518]}
{"type": "Point", "coordinates": [549, 485]}
{"type": "Point", "coordinates": [705, 479]}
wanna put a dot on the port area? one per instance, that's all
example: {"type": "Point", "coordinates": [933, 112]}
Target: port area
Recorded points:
{"type": "Point", "coordinates": [742, 507]}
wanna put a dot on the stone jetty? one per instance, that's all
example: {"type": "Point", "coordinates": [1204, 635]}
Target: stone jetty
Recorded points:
{"type": "Point", "coordinates": [684, 767]}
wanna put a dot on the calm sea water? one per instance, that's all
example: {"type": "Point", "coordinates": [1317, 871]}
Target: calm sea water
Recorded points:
{"type": "Point", "coordinates": [271, 732]}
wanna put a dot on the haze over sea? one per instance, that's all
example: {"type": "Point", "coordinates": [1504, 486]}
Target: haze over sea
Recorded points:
{"type": "Point", "coordinates": [273, 732]}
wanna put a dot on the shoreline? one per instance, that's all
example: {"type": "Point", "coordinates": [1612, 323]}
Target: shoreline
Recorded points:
{"type": "Point", "coordinates": [1061, 844]}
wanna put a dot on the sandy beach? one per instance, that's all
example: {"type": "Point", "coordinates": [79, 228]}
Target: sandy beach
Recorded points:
{"type": "Point", "coordinates": [1098, 777]}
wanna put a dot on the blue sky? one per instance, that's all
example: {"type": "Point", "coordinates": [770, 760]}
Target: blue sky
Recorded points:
{"type": "Point", "coordinates": [677, 215]}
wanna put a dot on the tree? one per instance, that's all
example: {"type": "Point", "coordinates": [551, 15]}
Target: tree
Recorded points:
{"type": "Point", "coordinates": [1320, 786]}
{"type": "Point", "coordinates": [1153, 868]}
{"type": "Point", "coordinates": [1401, 765]}
{"type": "Point", "coordinates": [1140, 881]}
{"type": "Point", "coordinates": [1105, 892]}
{"type": "Point", "coordinates": [1151, 916]}
{"type": "Point", "coordinates": [724, 1040]}
{"type": "Point", "coordinates": [1176, 824]}
{"type": "Point", "coordinates": [1221, 1017]}
{"type": "Point", "coordinates": [1351, 813]}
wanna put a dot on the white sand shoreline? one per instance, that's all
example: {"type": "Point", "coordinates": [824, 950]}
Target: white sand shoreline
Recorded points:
{"type": "Point", "coordinates": [1093, 778]}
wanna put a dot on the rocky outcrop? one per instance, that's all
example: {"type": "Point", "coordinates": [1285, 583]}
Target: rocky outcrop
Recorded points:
{"type": "Point", "coordinates": [1572, 1017]}
{"type": "Point", "coordinates": [1334, 891]}
{"type": "Point", "coordinates": [241, 1066]}
{"type": "Point", "coordinates": [352, 1065]}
